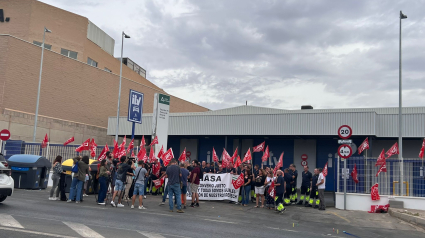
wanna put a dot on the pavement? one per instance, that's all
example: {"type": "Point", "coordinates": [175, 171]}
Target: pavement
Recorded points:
{"type": "Point", "coordinates": [416, 217]}
{"type": "Point", "coordinates": [29, 213]}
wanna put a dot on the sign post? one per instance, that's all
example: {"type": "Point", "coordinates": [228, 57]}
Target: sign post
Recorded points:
{"type": "Point", "coordinates": [135, 109]}
{"type": "Point", "coordinates": [4, 136]}
{"type": "Point", "coordinates": [345, 151]}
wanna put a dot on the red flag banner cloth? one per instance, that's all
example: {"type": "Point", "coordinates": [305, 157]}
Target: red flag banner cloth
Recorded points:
{"type": "Point", "coordinates": [116, 150]}
{"type": "Point", "coordinates": [167, 157]}
{"type": "Point", "coordinates": [279, 164]}
{"type": "Point", "coordinates": [121, 152]}
{"type": "Point", "coordinates": [364, 145]}
{"type": "Point", "coordinates": [161, 152]}
{"type": "Point", "coordinates": [142, 143]}
{"type": "Point", "coordinates": [374, 192]}
{"type": "Point", "coordinates": [155, 141]}
{"type": "Point", "coordinates": [266, 155]}
{"type": "Point", "coordinates": [225, 161]}
{"type": "Point", "coordinates": [259, 147]}
{"type": "Point", "coordinates": [393, 150]}
{"type": "Point", "coordinates": [141, 154]}
{"type": "Point", "coordinates": [237, 183]}
{"type": "Point", "coordinates": [132, 153]}
{"type": "Point", "coordinates": [151, 155]}
{"type": "Point", "coordinates": [156, 169]}
{"type": "Point", "coordinates": [354, 174]}
{"type": "Point", "coordinates": [379, 208]}
{"type": "Point", "coordinates": [84, 146]}
{"type": "Point", "coordinates": [182, 157]}
{"type": "Point", "coordinates": [215, 157]}
{"type": "Point", "coordinates": [325, 170]}
{"type": "Point", "coordinates": [383, 168]}
{"type": "Point", "coordinates": [247, 156]}
{"type": "Point", "coordinates": [131, 146]}
{"type": "Point", "coordinates": [93, 147]}
{"type": "Point", "coordinates": [44, 142]}
{"type": "Point", "coordinates": [102, 155]}
{"type": "Point", "coordinates": [272, 190]}
{"type": "Point", "coordinates": [235, 155]}
{"type": "Point", "coordinates": [238, 162]}
{"type": "Point", "coordinates": [70, 140]}
{"type": "Point", "coordinates": [421, 153]}
{"type": "Point", "coordinates": [381, 159]}
{"type": "Point", "coordinates": [123, 143]}
{"type": "Point", "coordinates": [158, 183]}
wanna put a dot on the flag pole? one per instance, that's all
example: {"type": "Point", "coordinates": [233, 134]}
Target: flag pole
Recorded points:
{"type": "Point", "coordinates": [365, 153]}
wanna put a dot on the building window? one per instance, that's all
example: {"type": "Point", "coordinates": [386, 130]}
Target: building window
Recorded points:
{"type": "Point", "coordinates": [69, 53]}
{"type": "Point", "coordinates": [91, 62]}
{"type": "Point", "coordinates": [46, 46]}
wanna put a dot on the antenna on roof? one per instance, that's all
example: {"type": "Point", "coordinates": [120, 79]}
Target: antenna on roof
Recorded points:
{"type": "Point", "coordinates": [246, 103]}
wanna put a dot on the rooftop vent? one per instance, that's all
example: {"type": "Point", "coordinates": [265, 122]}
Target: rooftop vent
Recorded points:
{"type": "Point", "coordinates": [304, 107]}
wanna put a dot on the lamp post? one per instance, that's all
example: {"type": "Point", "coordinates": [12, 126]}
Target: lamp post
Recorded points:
{"type": "Point", "coordinates": [119, 90]}
{"type": "Point", "coordinates": [400, 113]}
{"type": "Point", "coordinates": [39, 83]}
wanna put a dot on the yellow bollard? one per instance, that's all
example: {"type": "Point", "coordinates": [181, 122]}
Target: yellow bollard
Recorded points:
{"type": "Point", "coordinates": [293, 224]}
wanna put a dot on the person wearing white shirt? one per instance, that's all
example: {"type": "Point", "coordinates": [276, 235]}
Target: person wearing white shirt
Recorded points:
{"type": "Point", "coordinates": [321, 185]}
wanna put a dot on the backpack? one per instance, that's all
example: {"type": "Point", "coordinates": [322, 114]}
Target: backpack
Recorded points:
{"type": "Point", "coordinates": [75, 168]}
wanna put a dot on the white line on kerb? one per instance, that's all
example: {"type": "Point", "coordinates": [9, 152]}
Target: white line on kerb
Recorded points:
{"type": "Point", "coordinates": [9, 221]}
{"type": "Point", "coordinates": [83, 230]}
{"type": "Point", "coordinates": [35, 232]}
{"type": "Point", "coordinates": [220, 221]}
{"type": "Point", "coordinates": [150, 234]}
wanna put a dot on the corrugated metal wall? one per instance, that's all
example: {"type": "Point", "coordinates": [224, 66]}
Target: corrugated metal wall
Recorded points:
{"type": "Point", "coordinates": [100, 38]}
{"type": "Point", "coordinates": [413, 125]}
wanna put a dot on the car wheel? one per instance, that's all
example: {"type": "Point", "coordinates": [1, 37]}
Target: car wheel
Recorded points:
{"type": "Point", "coordinates": [2, 198]}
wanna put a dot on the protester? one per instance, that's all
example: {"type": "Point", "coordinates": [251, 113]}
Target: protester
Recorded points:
{"type": "Point", "coordinates": [288, 189]}
{"type": "Point", "coordinates": [86, 182]}
{"type": "Point", "coordinates": [57, 171]}
{"type": "Point", "coordinates": [314, 193]}
{"type": "Point", "coordinates": [269, 180]}
{"type": "Point", "coordinates": [103, 178]}
{"type": "Point", "coordinates": [120, 180]}
{"type": "Point", "coordinates": [79, 178]}
{"type": "Point", "coordinates": [220, 169]}
{"type": "Point", "coordinates": [147, 190]}
{"type": "Point", "coordinates": [139, 186]}
{"type": "Point", "coordinates": [165, 192]}
{"type": "Point", "coordinates": [321, 185]}
{"type": "Point", "coordinates": [185, 174]}
{"type": "Point", "coordinates": [305, 186]}
{"type": "Point", "coordinates": [280, 190]}
{"type": "Point", "coordinates": [174, 174]}
{"type": "Point", "coordinates": [113, 176]}
{"type": "Point", "coordinates": [259, 187]}
{"type": "Point", "coordinates": [246, 188]}
{"type": "Point", "coordinates": [294, 175]}
{"type": "Point", "coordinates": [129, 178]}
{"type": "Point", "coordinates": [194, 183]}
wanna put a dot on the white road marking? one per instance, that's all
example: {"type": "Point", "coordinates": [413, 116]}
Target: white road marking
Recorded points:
{"type": "Point", "coordinates": [9, 221]}
{"type": "Point", "coordinates": [220, 221]}
{"type": "Point", "coordinates": [281, 229]}
{"type": "Point", "coordinates": [150, 234]}
{"type": "Point", "coordinates": [35, 232]}
{"type": "Point", "coordinates": [83, 230]}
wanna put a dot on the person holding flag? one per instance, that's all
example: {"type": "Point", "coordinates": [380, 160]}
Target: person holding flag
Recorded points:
{"type": "Point", "coordinates": [269, 183]}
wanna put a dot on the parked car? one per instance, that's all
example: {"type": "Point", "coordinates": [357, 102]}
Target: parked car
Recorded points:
{"type": "Point", "coordinates": [6, 182]}
{"type": "Point", "coordinates": [3, 160]}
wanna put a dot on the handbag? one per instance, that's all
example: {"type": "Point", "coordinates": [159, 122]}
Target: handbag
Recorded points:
{"type": "Point", "coordinates": [75, 168]}
{"type": "Point", "coordinates": [131, 190]}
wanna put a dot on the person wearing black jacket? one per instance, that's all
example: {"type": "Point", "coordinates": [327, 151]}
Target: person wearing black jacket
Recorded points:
{"type": "Point", "coordinates": [288, 189]}
{"type": "Point", "coordinates": [294, 175]}
{"type": "Point", "coordinates": [259, 187]}
{"type": "Point", "coordinates": [314, 191]}
{"type": "Point", "coordinates": [305, 186]}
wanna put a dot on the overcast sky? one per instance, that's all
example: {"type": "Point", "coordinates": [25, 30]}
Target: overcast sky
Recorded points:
{"type": "Point", "coordinates": [280, 54]}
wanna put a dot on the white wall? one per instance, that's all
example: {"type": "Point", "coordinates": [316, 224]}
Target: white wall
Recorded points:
{"type": "Point", "coordinates": [307, 147]}
{"type": "Point", "coordinates": [191, 145]}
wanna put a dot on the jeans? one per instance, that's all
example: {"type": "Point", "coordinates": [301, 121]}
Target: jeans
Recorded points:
{"type": "Point", "coordinates": [139, 189]}
{"type": "Point", "coordinates": [102, 190]}
{"type": "Point", "coordinates": [165, 193]}
{"type": "Point", "coordinates": [246, 194]}
{"type": "Point", "coordinates": [174, 189]}
{"type": "Point", "coordinates": [146, 186]}
{"type": "Point", "coordinates": [76, 189]}
{"type": "Point", "coordinates": [55, 179]}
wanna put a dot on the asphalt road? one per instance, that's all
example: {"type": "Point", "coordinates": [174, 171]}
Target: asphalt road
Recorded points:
{"type": "Point", "coordinates": [29, 213]}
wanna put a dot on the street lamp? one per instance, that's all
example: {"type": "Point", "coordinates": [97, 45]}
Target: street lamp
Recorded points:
{"type": "Point", "coordinates": [119, 90]}
{"type": "Point", "coordinates": [39, 83]}
{"type": "Point", "coordinates": [400, 125]}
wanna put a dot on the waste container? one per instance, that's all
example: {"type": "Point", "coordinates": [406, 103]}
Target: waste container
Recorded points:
{"type": "Point", "coordinates": [30, 171]}
{"type": "Point", "coordinates": [67, 167]}
{"type": "Point", "coordinates": [91, 184]}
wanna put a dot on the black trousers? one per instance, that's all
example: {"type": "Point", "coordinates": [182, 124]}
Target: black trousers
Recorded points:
{"type": "Point", "coordinates": [279, 198]}
{"type": "Point", "coordinates": [62, 186]}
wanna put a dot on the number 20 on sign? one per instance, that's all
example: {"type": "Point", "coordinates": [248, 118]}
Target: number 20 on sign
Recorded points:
{"type": "Point", "coordinates": [345, 151]}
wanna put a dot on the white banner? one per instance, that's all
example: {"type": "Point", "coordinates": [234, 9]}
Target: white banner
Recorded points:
{"type": "Point", "coordinates": [161, 110]}
{"type": "Point", "coordinates": [216, 187]}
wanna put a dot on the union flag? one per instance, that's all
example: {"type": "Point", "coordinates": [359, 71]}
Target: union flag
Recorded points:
{"type": "Point", "coordinates": [68, 141]}
{"type": "Point", "coordinates": [247, 156]}
{"type": "Point", "coordinates": [84, 146]}
{"type": "Point", "coordinates": [102, 155]}
{"type": "Point", "coordinates": [259, 147]}
{"type": "Point", "coordinates": [266, 155]}
{"type": "Point", "coordinates": [325, 170]}
{"type": "Point", "coordinates": [155, 141]}
{"type": "Point", "coordinates": [364, 145]}
{"type": "Point", "coordinates": [237, 183]}
{"type": "Point", "coordinates": [393, 150]}
{"type": "Point", "coordinates": [182, 157]}
{"type": "Point", "coordinates": [374, 192]}
{"type": "Point", "coordinates": [215, 157]}
{"type": "Point", "coordinates": [381, 159]}
{"type": "Point", "coordinates": [44, 142]}
{"type": "Point", "coordinates": [354, 174]}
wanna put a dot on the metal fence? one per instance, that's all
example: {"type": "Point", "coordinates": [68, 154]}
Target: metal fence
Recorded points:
{"type": "Point", "coordinates": [389, 182]}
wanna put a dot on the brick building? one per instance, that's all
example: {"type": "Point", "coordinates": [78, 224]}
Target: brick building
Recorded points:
{"type": "Point", "coordinates": [80, 77]}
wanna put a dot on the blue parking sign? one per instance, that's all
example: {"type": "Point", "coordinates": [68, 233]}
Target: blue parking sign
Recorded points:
{"type": "Point", "coordinates": [135, 107]}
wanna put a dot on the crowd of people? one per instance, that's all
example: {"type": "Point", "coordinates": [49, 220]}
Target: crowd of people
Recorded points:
{"type": "Point", "coordinates": [127, 179]}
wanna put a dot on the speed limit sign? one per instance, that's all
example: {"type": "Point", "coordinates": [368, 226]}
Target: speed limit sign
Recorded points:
{"type": "Point", "coordinates": [345, 132]}
{"type": "Point", "coordinates": [344, 151]}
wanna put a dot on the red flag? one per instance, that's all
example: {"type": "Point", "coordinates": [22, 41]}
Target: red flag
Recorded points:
{"type": "Point", "coordinates": [238, 162]}
{"type": "Point", "coordinates": [374, 192]}
{"type": "Point", "coordinates": [102, 155]}
{"type": "Point", "coordinates": [354, 174]}
{"type": "Point", "coordinates": [215, 157]}
{"type": "Point", "coordinates": [151, 155]}
{"type": "Point", "coordinates": [247, 156]}
{"type": "Point", "coordinates": [84, 146]}
{"type": "Point", "coordinates": [116, 149]}
{"type": "Point", "coordinates": [381, 159]}
{"type": "Point", "coordinates": [68, 141]}
{"type": "Point", "coordinates": [44, 142]}
{"type": "Point", "coordinates": [123, 143]}
{"type": "Point", "coordinates": [167, 156]}
{"type": "Point", "coordinates": [155, 141]}
{"type": "Point", "coordinates": [237, 183]}
{"type": "Point", "coordinates": [364, 145]}
{"type": "Point", "coordinates": [121, 152]}
{"type": "Point", "coordinates": [271, 190]}
{"type": "Point", "coordinates": [161, 152]}
{"type": "Point", "coordinates": [259, 147]}
{"type": "Point", "coordinates": [279, 164]}
{"type": "Point", "coordinates": [132, 153]}
{"type": "Point", "coordinates": [142, 154]}
{"type": "Point", "coordinates": [156, 168]}
{"type": "Point", "coordinates": [235, 155]}
{"type": "Point", "coordinates": [158, 183]}
{"type": "Point", "coordinates": [421, 153]}
{"type": "Point", "coordinates": [142, 143]}
{"type": "Point", "coordinates": [182, 157]}
{"type": "Point", "coordinates": [266, 155]}
{"type": "Point", "coordinates": [383, 168]}
{"type": "Point", "coordinates": [225, 159]}
{"type": "Point", "coordinates": [93, 147]}
{"type": "Point", "coordinates": [393, 150]}
{"type": "Point", "coordinates": [130, 146]}
{"type": "Point", "coordinates": [379, 208]}
{"type": "Point", "coordinates": [325, 170]}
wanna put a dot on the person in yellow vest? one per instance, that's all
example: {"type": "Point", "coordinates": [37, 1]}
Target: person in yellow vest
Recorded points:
{"type": "Point", "coordinates": [305, 186]}
{"type": "Point", "coordinates": [314, 194]}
